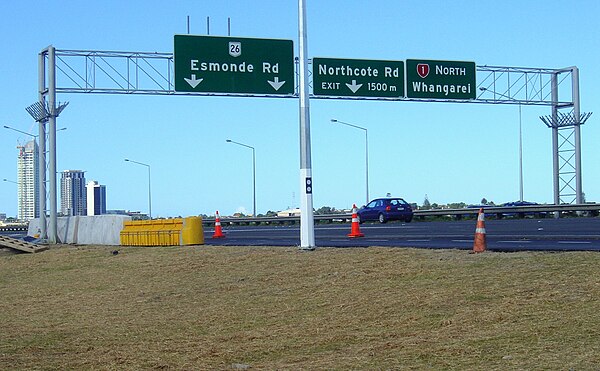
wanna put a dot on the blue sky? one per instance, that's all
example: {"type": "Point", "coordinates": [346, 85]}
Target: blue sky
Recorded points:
{"type": "Point", "coordinates": [451, 152]}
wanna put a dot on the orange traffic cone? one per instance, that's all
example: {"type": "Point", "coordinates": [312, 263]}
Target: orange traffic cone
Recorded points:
{"type": "Point", "coordinates": [218, 232]}
{"type": "Point", "coordinates": [479, 243]}
{"type": "Point", "coordinates": [355, 228]}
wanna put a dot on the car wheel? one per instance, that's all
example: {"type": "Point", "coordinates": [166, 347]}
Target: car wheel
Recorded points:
{"type": "Point", "coordinates": [408, 219]}
{"type": "Point", "coordinates": [382, 218]}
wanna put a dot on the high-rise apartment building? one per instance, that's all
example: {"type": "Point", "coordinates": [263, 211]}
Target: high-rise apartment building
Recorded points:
{"type": "Point", "coordinates": [27, 181]}
{"type": "Point", "coordinates": [72, 193]}
{"type": "Point", "coordinates": [96, 198]}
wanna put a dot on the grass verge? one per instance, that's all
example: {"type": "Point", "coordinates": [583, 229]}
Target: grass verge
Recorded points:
{"type": "Point", "coordinates": [280, 308]}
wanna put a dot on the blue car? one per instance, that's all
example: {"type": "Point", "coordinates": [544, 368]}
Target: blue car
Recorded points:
{"type": "Point", "coordinates": [384, 209]}
{"type": "Point", "coordinates": [523, 214]}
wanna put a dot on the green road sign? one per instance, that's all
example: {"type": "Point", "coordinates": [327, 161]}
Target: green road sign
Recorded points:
{"type": "Point", "coordinates": [440, 79]}
{"type": "Point", "coordinates": [358, 78]}
{"type": "Point", "coordinates": [239, 65]}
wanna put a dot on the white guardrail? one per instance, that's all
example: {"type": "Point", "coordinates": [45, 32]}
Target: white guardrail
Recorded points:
{"type": "Point", "coordinates": [590, 209]}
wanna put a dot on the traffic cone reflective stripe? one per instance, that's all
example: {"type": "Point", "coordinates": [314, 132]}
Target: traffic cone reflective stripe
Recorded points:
{"type": "Point", "coordinates": [479, 243]}
{"type": "Point", "coordinates": [218, 231]}
{"type": "Point", "coordinates": [355, 232]}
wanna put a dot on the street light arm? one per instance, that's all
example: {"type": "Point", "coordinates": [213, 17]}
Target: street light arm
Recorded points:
{"type": "Point", "coordinates": [135, 162]}
{"type": "Point", "coordinates": [348, 124]}
{"type": "Point", "coordinates": [238, 143]}
{"type": "Point", "coordinates": [19, 131]}
{"type": "Point", "coordinates": [484, 89]}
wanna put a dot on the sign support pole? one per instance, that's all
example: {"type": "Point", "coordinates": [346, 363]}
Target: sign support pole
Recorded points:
{"type": "Point", "coordinates": [555, 158]}
{"type": "Point", "coordinates": [307, 228]}
{"type": "Point", "coordinates": [42, 148]}
{"type": "Point", "coordinates": [577, 127]}
{"type": "Point", "coordinates": [53, 231]}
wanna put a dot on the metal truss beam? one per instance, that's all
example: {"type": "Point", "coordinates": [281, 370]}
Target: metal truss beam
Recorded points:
{"type": "Point", "coordinates": [111, 72]}
{"type": "Point", "coordinates": [522, 85]}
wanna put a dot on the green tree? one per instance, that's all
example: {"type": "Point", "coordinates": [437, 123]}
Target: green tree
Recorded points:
{"type": "Point", "coordinates": [426, 204]}
{"type": "Point", "coordinates": [325, 210]}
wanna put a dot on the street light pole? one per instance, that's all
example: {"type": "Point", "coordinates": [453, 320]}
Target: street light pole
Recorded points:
{"type": "Point", "coordinates": [520, 143]}
{"type": "Point", "coordinates": [149, 189]}
{"type": "Point", "coordinates": [366, 152]}
{"type": "Point", "coordinates": [18, 189]}
{"type": "Point", "coordinates": [253, 172]}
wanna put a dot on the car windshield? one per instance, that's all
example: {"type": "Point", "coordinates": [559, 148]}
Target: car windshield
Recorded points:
{"type": "Point", "coordinates": [382, 202]}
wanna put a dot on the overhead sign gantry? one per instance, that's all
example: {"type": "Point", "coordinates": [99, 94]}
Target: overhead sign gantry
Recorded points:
{"type": "Point", "coordinates": [226, 66]}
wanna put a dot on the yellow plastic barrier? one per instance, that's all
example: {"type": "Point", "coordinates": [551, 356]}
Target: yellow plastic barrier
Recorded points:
{"type": "Point", "coordinates": [163, 232]}
{"type": "Point", "coordinates": [192, 232]}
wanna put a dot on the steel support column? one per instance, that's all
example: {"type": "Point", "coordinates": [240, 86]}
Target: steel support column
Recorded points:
{"type": "Point", "coordinates": [576, 127]}
{"type": "Point", "coordinates": [42, 148]}
{"type": "Point", "coordinates": [53, 231]}
{"type": "Point", "coordinates": [566, 142]}
{"type": "Point", "coordinates": [555, 167]}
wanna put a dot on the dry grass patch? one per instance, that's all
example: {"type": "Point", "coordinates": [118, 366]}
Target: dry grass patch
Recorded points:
{"type": "Point", "coordinates": [280, 308]}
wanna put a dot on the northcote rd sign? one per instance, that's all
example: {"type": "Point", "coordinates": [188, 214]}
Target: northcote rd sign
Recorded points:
{"type": "Point", "coordinates": [358, 78]}
{"type": "Point", "coordinates": [237, 65]}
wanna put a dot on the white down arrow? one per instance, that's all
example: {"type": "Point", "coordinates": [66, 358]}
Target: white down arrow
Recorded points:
{"type": "Point", "coordinates": [193, 81]}
{"type": "Point", "coordinates": [354, 86]}
{"type": "Point", "coordinates": [276, 84]}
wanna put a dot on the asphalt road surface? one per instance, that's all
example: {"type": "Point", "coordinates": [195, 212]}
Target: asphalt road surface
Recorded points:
{"type": "Point", "coordinates": [568, 234]}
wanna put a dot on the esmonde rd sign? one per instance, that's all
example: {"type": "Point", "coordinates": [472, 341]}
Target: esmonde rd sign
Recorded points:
{"type": "Point", "coordinates": [431, 79]}
{"type": "Point", "coordinates": [358, 78]}
{"type": "Point", "coordinates": [237, 65]}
